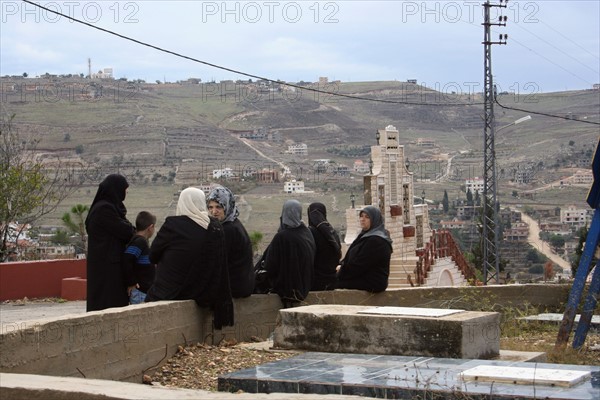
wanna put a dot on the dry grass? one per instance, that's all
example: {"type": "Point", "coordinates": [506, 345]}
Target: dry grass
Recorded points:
{"type": "Point", "coordinates": [541, 337]}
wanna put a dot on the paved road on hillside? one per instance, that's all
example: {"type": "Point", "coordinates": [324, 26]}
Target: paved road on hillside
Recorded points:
{"type": "Point", "coordinates": [541, 246]}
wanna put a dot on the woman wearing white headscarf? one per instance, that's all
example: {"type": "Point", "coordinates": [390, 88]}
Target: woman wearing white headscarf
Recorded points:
{"type": "Point", "coordinates": [221, 205]}
{"type": "Point", "coordinates": [366, 265]}
{"type": "Point", "coordinates": [289, 260]}
{"type": "Point", "coordinates": [189, 251]}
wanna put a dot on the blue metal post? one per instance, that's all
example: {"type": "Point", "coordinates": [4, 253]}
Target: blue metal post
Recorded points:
{"type": "Point", "coordinates": [579, 282]}
{"type": "Point", "coordinates": [591, 244]}
{"type": "Point", "coordinates": [588, 310]}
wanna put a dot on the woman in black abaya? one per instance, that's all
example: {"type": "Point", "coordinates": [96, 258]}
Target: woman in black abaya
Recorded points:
{"type": "Point", "coordinates": [108, 231]}
{"type": "Point", "coordinates": [366, 265]}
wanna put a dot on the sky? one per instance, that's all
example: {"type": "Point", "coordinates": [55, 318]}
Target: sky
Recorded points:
{"type": "Point", "coordinates": [552, 45]}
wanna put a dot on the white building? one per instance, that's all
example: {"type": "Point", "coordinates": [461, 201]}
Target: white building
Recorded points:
{"type": "Point", "coordinates": [293, 186]}
{"type": "Point", "coordinates": [583, 177]}
{"type": "Point", "coordinates": [300, 149]}
{"type": "Point", "coordinates": [106, 73]}
{"type": "Point", "coordinates": [475, 185]}
{"type": "Point", "coordinates": [574, 216]}
{"type": "Point", "coordinates": [224, 173]}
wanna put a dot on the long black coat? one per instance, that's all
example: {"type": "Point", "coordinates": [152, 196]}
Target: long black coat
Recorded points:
{"type": "Point", "coordinates": [366, 265]}
{"type": "Point", "coordinates": [239, 259]}
{"type": "Point", "coordinates": [327, 259]}
{"type": "Point", "coordinates": [290, 261]}
{"type": "Point", "coordinates": [108, 234]}
{"type": "Point", "coordinates": [191, 265]}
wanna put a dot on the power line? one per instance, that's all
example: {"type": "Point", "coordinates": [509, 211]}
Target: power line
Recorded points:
{"type": "Point", "coordinates": [544, 114]}
{"type": "Point", "coordinates": [550, 61]}
{"type": "Point", "coordinates": [557, 49]}
{"type": "Point", "coordinates": [570, 40]}
{"type": "Point", "coordinates": [245, 73]}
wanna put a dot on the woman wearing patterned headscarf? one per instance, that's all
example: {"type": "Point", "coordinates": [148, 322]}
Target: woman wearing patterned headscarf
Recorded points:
{"type": "Point", "coordinates": [329, 250]}
{"type": "Point", "coordinates": [189, 251]}
{"type": "Point", "coordinates": [108, 231]}
{"type": "Point", "coordinates": [367, 262]}
{"type": "Point", "coordinates": [289, 260]}
{"type": "Point", "coordinates": [221, 206]}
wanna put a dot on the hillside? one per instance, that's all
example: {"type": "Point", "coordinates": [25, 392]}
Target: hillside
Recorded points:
{"type": "Point", "coordinates": [158, 124]}
{"type": "Point", "coordinates": [177, 134]}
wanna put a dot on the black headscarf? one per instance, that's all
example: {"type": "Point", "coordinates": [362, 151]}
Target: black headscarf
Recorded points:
{"type": "Point", "coordinates": [113, 190]}
{"type": "Point", "coordinates": [377, 224]}
{"type": "Point", "coordinates": [317, 217]}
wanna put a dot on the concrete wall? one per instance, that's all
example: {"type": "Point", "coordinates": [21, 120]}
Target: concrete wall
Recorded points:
{"type": "Point", "coordinates": [550, 298]}
{"type": "Point", "coordinates": [121, 343]}
{"type": "Point", "coordinates": [35, 279]}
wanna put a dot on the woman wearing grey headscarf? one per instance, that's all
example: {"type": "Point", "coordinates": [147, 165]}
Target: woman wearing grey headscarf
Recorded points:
{"type": "Point", "coordinates": [221, 205]}
{"type": "Point", "coordinates": [289, 260]}
{"type": "Point", "coordinates": [366, 265]}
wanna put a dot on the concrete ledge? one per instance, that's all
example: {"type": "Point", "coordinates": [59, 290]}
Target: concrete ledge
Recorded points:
{"type": "Point", "coordinates": [123, 343]}
{"type": "Point", "coordinates": [37, 387]}
{"type": "Point", "coordinates": [348, 329]}
{"type": "Point", "coordinates": [541, 296]}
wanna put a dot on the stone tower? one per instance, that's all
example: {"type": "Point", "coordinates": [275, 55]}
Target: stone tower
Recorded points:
{"type": "Point", "coordinates": [389, 185]}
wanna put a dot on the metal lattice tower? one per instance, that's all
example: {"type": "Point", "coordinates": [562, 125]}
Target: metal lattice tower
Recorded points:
{"type": "Point", "coordinates": [491, 258]}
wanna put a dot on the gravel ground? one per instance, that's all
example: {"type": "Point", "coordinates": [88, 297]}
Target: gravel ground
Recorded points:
{"type": "Point", "coordinates": [199, 366]}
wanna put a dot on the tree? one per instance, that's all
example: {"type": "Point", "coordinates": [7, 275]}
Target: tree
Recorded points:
{"type": "Point", "coordinates": [60, 237]}
{"type": "Point", "coordinates": [469, 197]}
{"type": "Point", "coordinates": [445, 202]}
{"type": "Point", "coordinates": [28, 188]}
{"type": "Point", "coordinates": [25, 74]}
{"type": "Point", "coordinates": [557, 241]}
{"type": "Point", "coordinates": [77, 226]}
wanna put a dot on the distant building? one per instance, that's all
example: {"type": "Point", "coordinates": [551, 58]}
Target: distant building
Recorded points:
{"type": "Point", "coordinates": [523, 174]}
{"type": "Point", "coordinates": [106, 73]}
{"type": "Point", "coordinates": [361, 167]}
{"type": "Point", "coordinates": [206, 187]}
{"type": "Point", "coordinates": [224, 173]}
{"type": "Point", "coordinates": [267, 176]}
{"type": "Point", "coordinates": [583, 177]}
{"type": "Point", "coordinates": [518, 233]}
{"type": "Point", "coordinates": [56, 252]}
{"type": "Point", "coordinates": [293, 186]}
{"type": "Point", "coordinates": [425, 142]}
{"type": "Point", "coordinates": [413, 81]}
{"type": "Point", "coordinates": [340, 170]}
{"type": "Point", "coordinates": [574, 216]}
{"type": "Point", "coordinates": [300, 149]}
{"type": "Point", "coordinates": [475, 185]}
{"type": "Point", "coordinates": [320, 166]}
{"type": "Point", "coordinates": [465, 212]}
{"type": "Point", "coordinates": [453, 224]}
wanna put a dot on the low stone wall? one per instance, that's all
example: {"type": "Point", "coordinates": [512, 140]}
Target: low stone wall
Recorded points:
{"type": "Point", "coordinates": [122, 343]}
{"type": "Point", "coordinates": [542, 297]}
